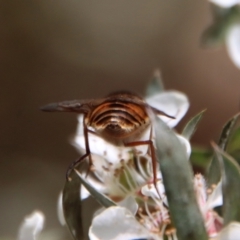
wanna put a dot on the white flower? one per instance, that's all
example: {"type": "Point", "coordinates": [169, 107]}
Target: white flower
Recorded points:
{"type": "Point", "coordinates": [233, 32]}
{"type": "Point", "coordinates": [233, 44]}
{"type": "Point", "coordinates": [124, 173]}
{"type": "Point", "coordinates": [225, 3]}
{"type": "Point", "coordinates": [31, 226]}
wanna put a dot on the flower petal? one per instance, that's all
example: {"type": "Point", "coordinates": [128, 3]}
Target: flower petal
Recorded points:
{"type": "Point", "coordinates": [116, 223]}
{"type": "Point", "coordinates": [173, 103]}
{"type": "Point", "coordinates": [185, 143]}
{"type": "Point", "coordinates": [130, 204]}
{"type": "Point", "coordinates": [232, 43]}
{"type": "Point", "coordinates": [215, 198]}
{"type": "Point", "coordinates": [60, 214]}
{"type": "Point", "coordinates": [225, 3]}
{"type": "Point", "coordinates": [149, 190]}
{"type": "Point", "coordinates": [230, 232]}
{"type": "Point", "coordinates": [31, 226]}
{"type": "Point", "coordinates": [92, 179]}
{"type": "Point", "coordinates": [84, 193]}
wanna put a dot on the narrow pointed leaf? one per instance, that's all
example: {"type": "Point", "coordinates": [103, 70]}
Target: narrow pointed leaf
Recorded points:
{"type": "Point", "coordinates": [102, 199]}
{"type": "Point", "coordinates": [231, 186]}
{"type": "Point", "coordinates": [233, 146]}
{"type": "Point", "coordinates": [214, 35]}
{"type": "Point", "coordinates": [200, 157]}
{"type": "Point", "coordinates": [227, 131]}
{"type": "Point", "coordinates": [156, 85]}
{"type": "Point", "coordinates": [214, 174]}
{"type": "Point", "coordinates": [191, 126]}
{"type": "Point", "coordinates": [178, 181]}
{"type": "Point", "coordinates": [219, 12]}
{"type": "Point", "coordinates": [72, 206]}
{"type": "Point", "coordinates": [223, 20]}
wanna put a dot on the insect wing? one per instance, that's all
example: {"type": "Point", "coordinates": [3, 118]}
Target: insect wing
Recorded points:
{"type": "Point", "coordinates": [78, 106]}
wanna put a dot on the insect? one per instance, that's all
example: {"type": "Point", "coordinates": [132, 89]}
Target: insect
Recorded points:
{"type": "Point", "coordinates": [120, 118]}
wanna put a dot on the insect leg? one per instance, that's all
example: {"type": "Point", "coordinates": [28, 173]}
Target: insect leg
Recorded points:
{"type": "Point", "coordinates": [87, 154]}
{"type": "Point", "coordinates": [153, 156]}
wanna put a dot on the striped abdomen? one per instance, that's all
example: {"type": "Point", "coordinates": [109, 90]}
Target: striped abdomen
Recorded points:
{"type": "Point", "coordinates": [118, 118]}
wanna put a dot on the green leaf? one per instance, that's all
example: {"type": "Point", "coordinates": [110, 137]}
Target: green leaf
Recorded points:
{"type": "Point", "coordinates": [178, 181]}
{"type": "Point", "coordinates": [72, 206]}
{"type": "Point", "coordinates": [227, 131]}
{"type": "Point", "coordinates": [191, 126]}
{"type": "Point", "coordinates": [213, 173]}
{"type": "Point", "coordinates": [155, 86]}
{"type": "Point", "coordinates": [200, 157]}
{"type": "Point", "coordinates": [223, 20]}
{"type": "Point", "coordinates": [102, 199]}
{"type": "Point", "coordinates": [214, 35]}
{"type": "Point", "coordinates": [234, 141]}
{"type": "Point", "coordinates": [231, 186]}
{"type": "Point", "coordinates": [233, 147]}
{"type": "Point", "coordinates": [219, 12]}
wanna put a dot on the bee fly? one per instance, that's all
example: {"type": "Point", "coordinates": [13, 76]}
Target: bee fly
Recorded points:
{"type": "Point", "coordinates": [120, 118]}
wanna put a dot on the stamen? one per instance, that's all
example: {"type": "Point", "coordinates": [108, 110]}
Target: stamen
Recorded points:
{"type": "Point", "coordinates": [209, 191]}
{"type": "Point", "coordinates": [150, 215]}
{"type": "Point", "coordinates": [105, 168]}
{"type": "Point", "coordinates": [174, 235]}
{"type": "Point", "coordinates": [132, 172]}
{"type": "Point", "coordinates": [142, 172]}
{"type": "Point", "coordinates": [169, 236]}
{"type": "Point", "coordinates": [92, 168]}
{"type": "Point", "coordinates": [121, 187]}
{"type": "Point", "coordinates": [164, 225]}
{"type": "Point", "coordinates": [149, 169]}
{"type": "Point", "coordinates": [129, 182]}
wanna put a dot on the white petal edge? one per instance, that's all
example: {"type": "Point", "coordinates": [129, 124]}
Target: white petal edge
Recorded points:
{"type": "Point", "coordinates": [233, 44]}
{"type": "Point", "coordinates": [149, 190]}
{"type": "Point", "coordinates": [60, 214]}
{"type": "Point", "coordinates": [84, 193]}
{"type": "Point", "coordinates": [215, 199]}
{"type": "Point", "coordinates": [128, 203]}
{"type": "Point", "coordinates": [98, 185]}
{"type": "Point", "coordinates": [173, 103]}
{"type": "Point", "coordinates": [186, 144]}
{"type": "Point", "coordinates": [116, 223]}
{"type": "Point", "coordinates": [225, 3]}
{"type": "Point", "coordinates": [31, 226]}
{"type": "Point", "coordinates": [230, 232]}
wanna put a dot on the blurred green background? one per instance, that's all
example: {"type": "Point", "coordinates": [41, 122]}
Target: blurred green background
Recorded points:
{"type": "Point", "coordinates": [62, 50]}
